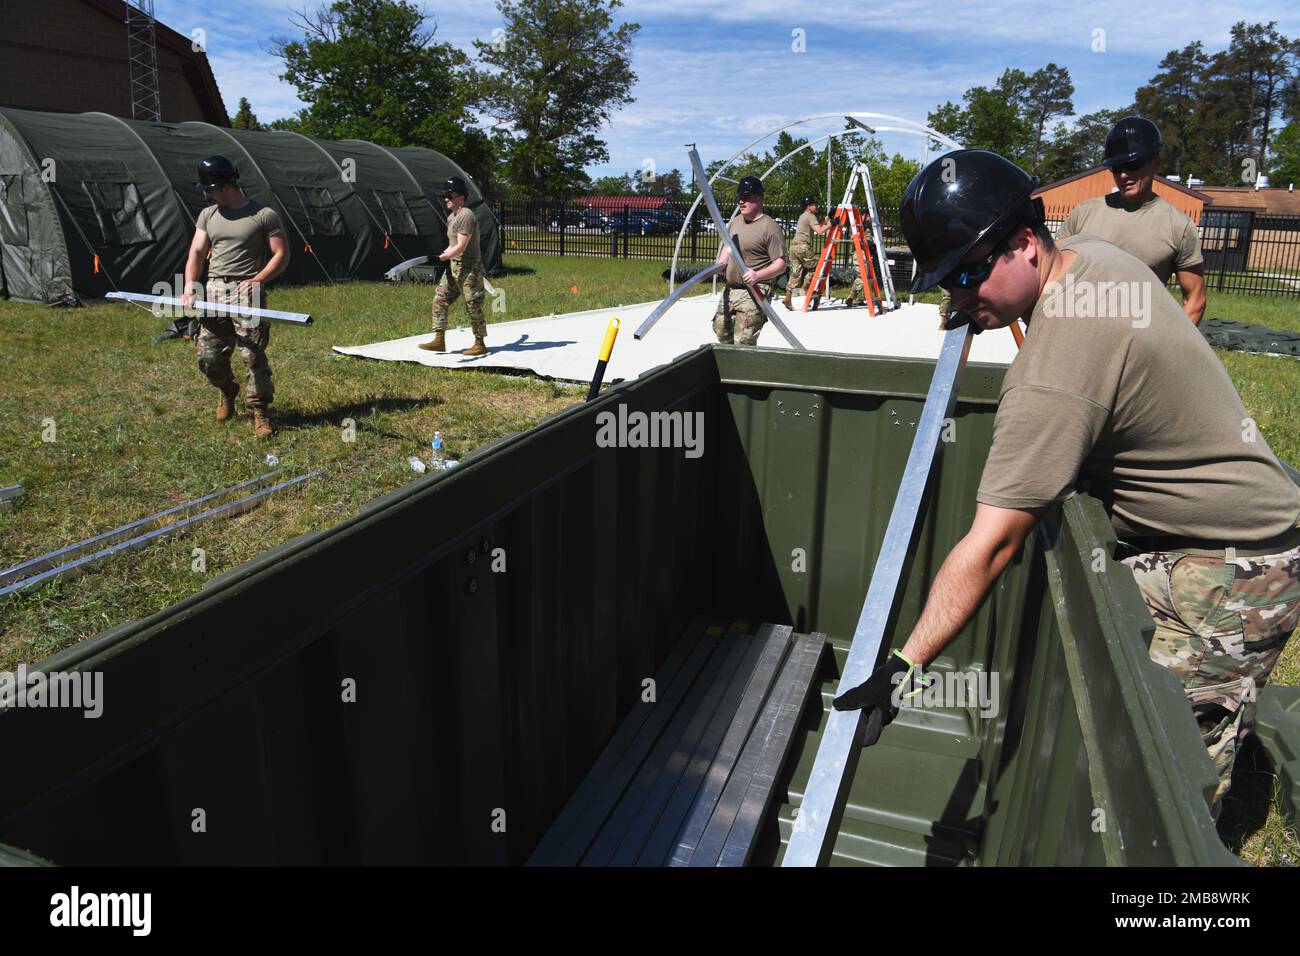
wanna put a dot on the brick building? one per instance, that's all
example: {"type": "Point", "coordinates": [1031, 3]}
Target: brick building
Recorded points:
{"type": "Point", "coordinates": [70, 56]}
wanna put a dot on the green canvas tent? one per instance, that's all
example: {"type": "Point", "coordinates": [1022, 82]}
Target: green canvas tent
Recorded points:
{"type": "Point", "coordinates": [91, 203]}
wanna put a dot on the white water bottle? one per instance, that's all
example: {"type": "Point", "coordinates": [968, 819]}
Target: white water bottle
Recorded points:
{"type": "Point", "coordinates": [436, 461]}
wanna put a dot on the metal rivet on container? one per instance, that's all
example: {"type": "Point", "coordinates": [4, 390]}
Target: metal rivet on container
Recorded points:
{"type": "Point", "coordinates": [471, 586]}
{"type": "Point", "coordinates": [471, 555]}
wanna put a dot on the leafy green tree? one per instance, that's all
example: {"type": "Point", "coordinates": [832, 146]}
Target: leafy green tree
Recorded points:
{"type": "Point", "coordinates": [1286, 156]}
{"type": "Point", "coordinates": [1172, 100]}
{"type": "Point", "coordinates": [554, 77]}
{"type": "Point", "coordinates": [370, 69]}
{"type": "Point", "coordinates": [612, 186]}
{"type": "Point", "coordinates": [1046, 97]}
{"type": "Point", "coordinates": [245, 118]}
{"type": "Point", "coordinates": [1074, 149]}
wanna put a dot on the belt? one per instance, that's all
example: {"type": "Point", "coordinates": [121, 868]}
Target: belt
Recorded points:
{"type": "Point", "coordinates": [1285, 541]}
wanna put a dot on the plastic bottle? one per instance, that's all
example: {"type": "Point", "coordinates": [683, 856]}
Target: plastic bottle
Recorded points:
{"type": "Point", "coordinates": [437, 462]}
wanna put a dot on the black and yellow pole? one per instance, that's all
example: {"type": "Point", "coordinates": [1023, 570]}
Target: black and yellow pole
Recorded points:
{"type": "Point", "coordinates": [606, 347]}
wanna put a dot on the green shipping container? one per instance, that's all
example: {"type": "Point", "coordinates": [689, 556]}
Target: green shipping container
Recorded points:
{"type": "Point", "coordinates": [495, 624]}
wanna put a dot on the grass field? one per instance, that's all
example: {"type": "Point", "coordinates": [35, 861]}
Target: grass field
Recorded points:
{"type": "Point", "coordinates": [134, 431]}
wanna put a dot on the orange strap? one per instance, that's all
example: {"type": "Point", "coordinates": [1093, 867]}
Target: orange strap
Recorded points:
{"type": "Point", "coordinates": [306, 247]}
{"type": "Point", "coordinates": [96, 265]}
{"type": "Point", "coordinates": [387, 242]}
{"type": "Point", "coordinates": [1015, 331]}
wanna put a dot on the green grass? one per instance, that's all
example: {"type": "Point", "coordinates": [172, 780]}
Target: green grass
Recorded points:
{"type": "Point", "coordinates": [135, 434]}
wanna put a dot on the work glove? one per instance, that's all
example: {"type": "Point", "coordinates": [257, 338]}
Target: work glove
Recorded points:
{"type": "Point", "coordinates": [875, 696]}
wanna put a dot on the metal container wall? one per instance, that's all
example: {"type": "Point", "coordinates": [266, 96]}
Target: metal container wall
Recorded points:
{"type": "Point", "coordinates": [496, 622]}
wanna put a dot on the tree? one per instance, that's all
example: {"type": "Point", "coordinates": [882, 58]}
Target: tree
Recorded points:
{"type": "Point", "coordinates": [556, 74]}
{"type": "Point", "coordinates": [245, 118]}
{"type": "Point", "coordinates": [1047, 95]}
{"type": "Point", "coordinates": [993, 118]}
{"type": "Point", "coordinates": [1286, 156]}
{"type": "Point", "coordinates": [369, 69]}
{"type": "Point", "coordinates": [1172, 100]}
{"type": "Point", "coordinates": [612, 186]}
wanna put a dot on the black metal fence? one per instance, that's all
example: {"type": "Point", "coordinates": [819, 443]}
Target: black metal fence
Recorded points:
{"type": "Point", "coordinates": [633, 231]}
{"type": "Point", "coordinates": [1244, 251]}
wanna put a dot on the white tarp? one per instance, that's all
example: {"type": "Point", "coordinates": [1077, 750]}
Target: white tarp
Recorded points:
{"type": "Point", "coordinates": [566, 346]}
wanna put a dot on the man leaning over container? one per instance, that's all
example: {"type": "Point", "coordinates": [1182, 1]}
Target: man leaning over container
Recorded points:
{"type": "Point", "coordinates": [739, 318]}
{"type": "Point", "coordinates": [1122, 398]}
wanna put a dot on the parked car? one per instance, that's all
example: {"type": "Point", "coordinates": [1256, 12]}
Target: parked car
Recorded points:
{"type": "Point", "coordinates": [585, 218]}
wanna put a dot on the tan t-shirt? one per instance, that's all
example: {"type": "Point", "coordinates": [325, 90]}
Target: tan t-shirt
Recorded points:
{"type": "Point", "coordinates": [239, 246]}
{"type": "Point", "coordinates": [1130, 402]}
{"type": "Point", "coordinates": [1156, 232]}
{"type": "Point", "coordinates": [803, 231]}
{"type": "Point", "coordinates": [463, 223]}
{"type": "Point", "coordinates": [761, 243]}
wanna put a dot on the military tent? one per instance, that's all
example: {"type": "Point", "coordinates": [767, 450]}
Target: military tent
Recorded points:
{"type": "Point", "coordinates": [91, 203]}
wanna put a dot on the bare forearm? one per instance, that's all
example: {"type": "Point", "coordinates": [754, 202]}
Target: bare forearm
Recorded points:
{"type": "Point", "coordinates": [1194, 306]}
{"type": "Point", "coordinates": [959, 589]}
{"type": "Point", "coordinates": [273, 268]}
{"type": "Point", "coordinates": [193, 269]}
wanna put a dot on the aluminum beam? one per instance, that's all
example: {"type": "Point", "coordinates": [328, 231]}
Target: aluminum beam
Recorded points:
{"type": "Point", "coordinates": [672, 298]}
{"type": "Point", "coordinates": [271, 315]}
{"type": "Point", "coordinates": [817, 825]}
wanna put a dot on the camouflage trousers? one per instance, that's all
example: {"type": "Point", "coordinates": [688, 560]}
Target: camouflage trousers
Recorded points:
{"type": "Point", "coordinates": [458, 280]}
{"type": "Point", "coordinates": [1221, 625]}
{"type": "Point", "coordinates": [945, 305]}
{"type": "Point", "coordinates": [219, 337]}
{"type": "Point", "coordinates": [738, 319]}
{"type": "Point", "coordinates": [802, 264]}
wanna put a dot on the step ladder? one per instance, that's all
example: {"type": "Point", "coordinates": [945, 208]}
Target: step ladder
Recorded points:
{"type": "Point", "coordinates": [848, 225]}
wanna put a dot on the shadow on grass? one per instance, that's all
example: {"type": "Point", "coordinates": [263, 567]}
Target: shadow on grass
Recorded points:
{"type": "Point", "coordinates": [1246, 804]}
{"type": "Point", "coordinates": [514, 271]}
{"type": "Point", "coordinates": [294, 418]}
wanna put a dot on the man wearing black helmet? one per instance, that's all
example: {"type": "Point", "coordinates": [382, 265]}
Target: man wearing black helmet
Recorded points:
{"type": "Point", "coordinates": [1137, 220]}
{"type": "Point", "coordinates": [464, 272]}
{"type": "Point", "coordinates": [1116, 394]}
{"type": "Point", "coordinates": [802, 258]}
{"type": "Point", "coordinates": [739, 318]}
{"type": "Point", "coordinates": [248, 249]}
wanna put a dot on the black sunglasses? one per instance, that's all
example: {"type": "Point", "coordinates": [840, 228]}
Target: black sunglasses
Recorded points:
{"type": "Point", "coordinates": [968, 275]}
{"type": "Point", "coordinates": [1130, 167]}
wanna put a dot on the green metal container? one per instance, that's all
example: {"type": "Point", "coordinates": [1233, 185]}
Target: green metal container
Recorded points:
{"type": "Point", "coordinates": [429, 681]}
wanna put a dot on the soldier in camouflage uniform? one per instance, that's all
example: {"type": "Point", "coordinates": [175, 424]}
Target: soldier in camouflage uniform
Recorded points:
{"type": "Point", "coordinates": [739, 319]}
{"type": "Point", "coordinates": [248, 249]}
{"type": "Point", "coordinates": [464, 273]}
{"type": "Point", "coordinates": [1222, 619]}
{"type": "Point", "coordinates": [1128, 403]}
{"type": "Point", "coordinates": [802, 258]}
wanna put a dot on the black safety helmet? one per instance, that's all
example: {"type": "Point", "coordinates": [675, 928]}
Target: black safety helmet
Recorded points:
{"type": "Point", "coordinates": [809, 201]}
{"type": "Point", "coordinates": [1131, 140]}
{"type": "Point", "coordinates": [454, 184]}
{"type": "Point", "coordinates": [958, 201]}
{"type": "Point", "coordinates": [215, 171]}
{"type": "Point", "coordinates": [749, 186]}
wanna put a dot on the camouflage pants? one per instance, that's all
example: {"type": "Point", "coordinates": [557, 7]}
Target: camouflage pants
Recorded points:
{"type": "Point", "coordinates": [1221, 625]}
{"type": "Point", "coordinates": [738, 319]}
{"type": "Point", "coordinates": [945, 304]}
{"type": "Point", "coordinates": [219, 337]}
{"type": "Point", "coordinates": [457, 280]}
{"type": "Point", "coordinates": [802, 263]}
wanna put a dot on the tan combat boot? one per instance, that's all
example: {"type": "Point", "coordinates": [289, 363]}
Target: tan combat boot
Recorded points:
{"type": "Point", "coordinates": [439, 343]}
{"type": "Point", "coordinates": [478, 348]}
{"type": "Point", "coordinates": [226, 404]}
{"type": "Point", "coordinates": [788, 304]}
{"type": "Point", "coordinates": [261, 422]}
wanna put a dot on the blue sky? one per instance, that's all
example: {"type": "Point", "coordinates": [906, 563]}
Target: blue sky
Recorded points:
{"type": "Point", "coordinates": [720, 74]}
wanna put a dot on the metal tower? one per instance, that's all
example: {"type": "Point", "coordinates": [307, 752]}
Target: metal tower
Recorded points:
{"type": "Point", "coordinates": [142, 51]}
